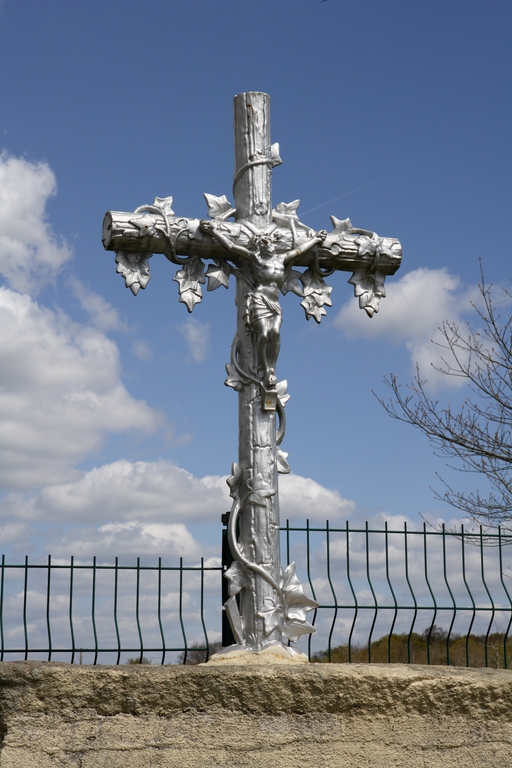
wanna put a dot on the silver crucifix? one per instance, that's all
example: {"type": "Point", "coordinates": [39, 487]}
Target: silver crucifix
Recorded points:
{"type": "Point", "coordinates": [260, 246]}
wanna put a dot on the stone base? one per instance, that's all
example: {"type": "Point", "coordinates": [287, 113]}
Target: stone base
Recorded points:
{"type": "Point", "coordinates": [272, 654]}
{"type": "Point", "coordinates": [255, 715]}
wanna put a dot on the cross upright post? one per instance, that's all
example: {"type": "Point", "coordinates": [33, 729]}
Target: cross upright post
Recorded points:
{"type": "Point", "coordinates": [257, 446]}
{"type": "Point", "coordinates": [267, 605]}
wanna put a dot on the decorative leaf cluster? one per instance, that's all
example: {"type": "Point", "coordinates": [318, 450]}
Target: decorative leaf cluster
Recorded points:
{"type": "Point", "coordinates": [369, 289]}
{"type": "Point", "coordinates": [134, 267]}
{"type": "Point", "coordinates": [189, 279]}
{"type": "Point", "coordinates": [290, 618]}
{"type": "Point", "coordinates": [316, 294]}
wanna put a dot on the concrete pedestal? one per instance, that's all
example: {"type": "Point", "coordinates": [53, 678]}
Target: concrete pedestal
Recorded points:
{"type": "Point", "coordinates": [258, 715]}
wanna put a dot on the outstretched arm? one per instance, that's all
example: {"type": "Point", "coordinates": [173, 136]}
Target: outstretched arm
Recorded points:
{"type": "Point", "coordinates": [305, 246]}
{"type": "Point", "coordinates": [210, 229]}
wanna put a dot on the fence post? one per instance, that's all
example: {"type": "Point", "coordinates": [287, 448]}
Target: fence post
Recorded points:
{"type": "Point", "coordinates": [227, 558]}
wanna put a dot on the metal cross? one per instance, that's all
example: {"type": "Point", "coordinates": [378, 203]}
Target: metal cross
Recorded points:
{"type": "Point", "coordinates": [261, 246]}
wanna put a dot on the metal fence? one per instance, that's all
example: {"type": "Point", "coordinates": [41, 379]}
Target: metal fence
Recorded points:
{"type": "Point", "coordinates": [78, 612]}
{"type": "Point", "coordinates": [412, 596]}
{"type": "Point", "coordinates": [385, 595]}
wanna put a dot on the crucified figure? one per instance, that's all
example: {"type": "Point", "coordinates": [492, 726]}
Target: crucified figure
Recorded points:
{"type": "Point", "coordinates": [263, 311]}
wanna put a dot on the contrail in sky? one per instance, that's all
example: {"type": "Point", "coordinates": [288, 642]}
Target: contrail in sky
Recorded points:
{"type": "Point", "coordinates": [370, 183]}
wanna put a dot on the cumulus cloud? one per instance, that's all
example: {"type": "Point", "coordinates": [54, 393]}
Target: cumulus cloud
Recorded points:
{"type": "Point", "coordinates": [197, 336]}
{"type": "Point", "coordinates": [131, 540]}
{"type": "Point", "coordinates": [303, 498]}
{"type": "Point", "coordinates": [30, 252]}
{"type": "Point", "coordinates": [139, 507]}
{"type": "Point", "coordinates": [123, 491]}
{"type": "Point", "coordinates": [60, 392]}
{"type": "Point", "coordinates": [300, 498]}
{"type": "Point", "coordinates": [161, 492]}
{"type": "Point", "coordinates": [416, 307]}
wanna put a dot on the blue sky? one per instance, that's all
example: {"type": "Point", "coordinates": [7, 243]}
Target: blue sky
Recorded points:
{"type": "Point", "coordinates": [117, 429]}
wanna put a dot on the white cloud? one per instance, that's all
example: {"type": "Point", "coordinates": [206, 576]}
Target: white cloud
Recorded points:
{"type": "Point", "coordinates": [30, 253]}
{"type": "Point", "coordinates": [417, 303]}
{"type": "Point", "coordinates": [300, 498]}
{"type": "Point", "coordinates": [124, 491]}
{"type": "Point", "coordinates": [102, 314]}
{"type": "Point", "coordinates": [141, 350]}
{"type": "Point", "coordinates": [303, 498]}
{"type": "Point", "coordinates": [416, 307]}
{"type": "Point", "coordinates": [132, 539]}
{"type": "Point", "coordinates": [143, 508]}
{"type": "Point", "coordinates": [60, 392]}
{"type": "Point", "coordinates": [197, 336]}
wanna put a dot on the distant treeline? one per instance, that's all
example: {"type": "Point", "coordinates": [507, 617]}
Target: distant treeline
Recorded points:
{"type": "Point", "coordinates": [458, 651]}
{"type": "Point", "coordinates": [431, 647]}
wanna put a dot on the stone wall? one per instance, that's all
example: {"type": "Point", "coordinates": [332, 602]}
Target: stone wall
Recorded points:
{"type": "Point", "coordinates": [273, 715]}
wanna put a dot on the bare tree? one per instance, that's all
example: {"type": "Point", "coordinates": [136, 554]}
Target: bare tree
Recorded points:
{"type": "Point", "coordinates": [479, 434]}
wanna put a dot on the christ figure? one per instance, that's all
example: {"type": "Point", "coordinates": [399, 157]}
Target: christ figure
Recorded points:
{"type": "Point", "coordinates": [268, 270]}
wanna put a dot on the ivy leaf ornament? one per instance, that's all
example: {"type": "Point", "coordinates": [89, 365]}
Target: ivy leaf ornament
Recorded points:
{"type": "Point", "coordinates": [188, 280]}
{"type": "Point", "coordinates": [285, 215]}
{"type": "Point", "coordinates": [218, 207]}
{"type": "Point", "coordinates": [288, 209]}
{"type": "Point", "coordinates": [312, 282]}
{"type": "Point", "coordinates": [292, 283]}
{"type": "Point", "coordinates": [190, 298]}
{"type": "Point", "coordinates": [282, 462]}
{"type": "Point", "coordinates": [290, 617]}
{"type": "Point", "coordinates": [367, 245]}
{"type": "Point", "coordinates": [234, 480]}
{"type": "Point", "coordinates": [260, 490]}
{"type": "Point", "coordinates": [282, 392]}
{"type": "Point", "coordinates": [190, 276]}
{"type": "Point", "coordinates": [233, 380]}
{"type": "Point", "coordinates": [165, 204]}
{"type": "Point", "coordinates": [217, 274]}
{"type": "Point", "coordinates": [145, 223]}
{"type": "Point", "coordinates": [272, 614]}
{"type": "Point", "coordinates": [312, 309]}
{"type": "Point", "coordinates": [340, 225]}
{"type": "Point", "coordinates": [239, 578]}
{"type": "Point", "coordinates": [297, 603]}
{"type": "Point", "coordinates": [294, 629]}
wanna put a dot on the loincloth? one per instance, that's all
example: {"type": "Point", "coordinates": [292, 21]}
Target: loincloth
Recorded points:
{"type": "Point", "coordinates": [259, 307]}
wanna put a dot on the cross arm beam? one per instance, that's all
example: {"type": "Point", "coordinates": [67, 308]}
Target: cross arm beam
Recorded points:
{"type": "Point", "coordinates": [347, 249]}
